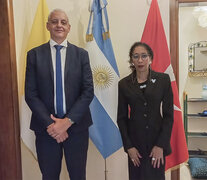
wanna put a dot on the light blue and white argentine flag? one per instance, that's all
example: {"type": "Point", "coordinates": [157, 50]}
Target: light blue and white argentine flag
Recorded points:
{"type": "Point", "coordinates": [104, 132]}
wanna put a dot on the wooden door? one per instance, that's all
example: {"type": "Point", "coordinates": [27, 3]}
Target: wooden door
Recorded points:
{"type": "Point", "coordinates": [10, 156]}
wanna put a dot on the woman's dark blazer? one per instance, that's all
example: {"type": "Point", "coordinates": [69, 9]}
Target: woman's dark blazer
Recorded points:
{"type": "Point", "coordinates": [145, 119]}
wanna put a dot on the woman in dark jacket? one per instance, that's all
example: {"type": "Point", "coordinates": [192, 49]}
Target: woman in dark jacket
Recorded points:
{"type": "Point", "coordinates": [145, 116]}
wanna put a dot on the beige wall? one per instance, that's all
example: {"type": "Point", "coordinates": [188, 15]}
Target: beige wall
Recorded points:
{"type": "Point", "coordinates": [127, 20]}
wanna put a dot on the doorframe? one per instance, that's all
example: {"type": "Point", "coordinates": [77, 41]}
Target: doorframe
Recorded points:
{"type": "Point", "coordinates": [174, 34]}
{"type": "Point", "coordinates": [10, 152]}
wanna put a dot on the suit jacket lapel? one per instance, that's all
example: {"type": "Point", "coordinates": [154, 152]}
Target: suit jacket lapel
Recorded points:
{"type": "Point", "coordinates": [48, 56]}
{"type": "Point", "coordinates": [133, 84]}
{"type": "Point", "coordinates": [135, 87]}
{"type": "Point", "coordinates": [151, 83]}
{"type": "Point", "coordinates": [68, 58]}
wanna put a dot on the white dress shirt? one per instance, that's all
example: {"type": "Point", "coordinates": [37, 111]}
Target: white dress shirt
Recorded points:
{"type": "Point", "coordinates": [63, 57]}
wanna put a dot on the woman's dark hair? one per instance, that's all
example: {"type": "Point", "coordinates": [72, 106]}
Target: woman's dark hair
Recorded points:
{"type": "Point", "coordinates": [137, 44]}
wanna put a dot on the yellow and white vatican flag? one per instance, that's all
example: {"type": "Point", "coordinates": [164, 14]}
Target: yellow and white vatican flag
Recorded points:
{"type": "Point", "coordinates": [38, 36]}
{"type": "Point", "coordinates": [104, 132]}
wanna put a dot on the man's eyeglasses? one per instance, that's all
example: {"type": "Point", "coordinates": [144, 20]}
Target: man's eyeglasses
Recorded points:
{"type": "Point", "coordinates": [142, 56]}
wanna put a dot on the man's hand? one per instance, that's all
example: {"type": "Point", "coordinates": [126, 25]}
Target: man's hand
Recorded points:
{"type": "Point", "coordinates": [59, 127]}
{"type": "Point", "coordinates": [157, 156]}
{"type": "Point", "coordinates": [134, 156]}
{"type": "Point", "coordinates": [62, 137]}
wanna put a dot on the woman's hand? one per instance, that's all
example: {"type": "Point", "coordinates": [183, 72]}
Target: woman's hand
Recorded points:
{"type": "Point", "coordinates": [134, 156]}
{"type": "Point", "coordinates": [157, 156]}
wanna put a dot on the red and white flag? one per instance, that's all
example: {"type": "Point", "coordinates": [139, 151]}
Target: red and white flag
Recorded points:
{"type": "Point", "coordinates": [154, 36]}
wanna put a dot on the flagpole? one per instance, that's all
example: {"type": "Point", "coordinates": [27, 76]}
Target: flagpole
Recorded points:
{"type": "Point", "coordinates": [105, 171]}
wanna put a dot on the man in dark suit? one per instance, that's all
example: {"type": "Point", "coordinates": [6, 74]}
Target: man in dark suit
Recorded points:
{"type": "Point", "coordinates": [58, 90]}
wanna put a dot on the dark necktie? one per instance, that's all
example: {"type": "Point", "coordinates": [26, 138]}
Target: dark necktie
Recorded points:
{"type": "Point", "coordinates": [59, 85]}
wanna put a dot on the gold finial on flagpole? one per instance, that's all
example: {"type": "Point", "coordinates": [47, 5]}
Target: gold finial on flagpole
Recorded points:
{"type": "Point", "coordinates": [106, 35]}
{"type": "Point", "coordinates": [89, 37]}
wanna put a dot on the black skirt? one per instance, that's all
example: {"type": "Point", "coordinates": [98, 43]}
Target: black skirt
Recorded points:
{"type": "Point", "coordinates": [145, 171]}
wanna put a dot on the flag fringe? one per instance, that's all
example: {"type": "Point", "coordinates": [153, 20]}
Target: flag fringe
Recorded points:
{"type": "Point", "coordinates": [89, 37]}
{"type": "Point", "coordinates": [106, 35]}
{"type": "Point", "coordinates": [177, 166]}
{"type": "Point", "coordinates": [30, 151]}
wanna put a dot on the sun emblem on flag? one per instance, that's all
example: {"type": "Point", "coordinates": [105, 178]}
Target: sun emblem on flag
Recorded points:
{"type": "Point", "coordinates": [102, 77]}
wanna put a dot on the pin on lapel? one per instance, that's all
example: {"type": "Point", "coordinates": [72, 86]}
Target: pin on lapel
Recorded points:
{"type": "Point", "coordinates": [143, 86]}
{"type": "Point", "coordinates": [153, 80]}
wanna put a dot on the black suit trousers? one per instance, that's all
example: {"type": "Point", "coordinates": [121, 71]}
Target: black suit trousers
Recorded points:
{"type": "Point", "coordinates": [50, 153]}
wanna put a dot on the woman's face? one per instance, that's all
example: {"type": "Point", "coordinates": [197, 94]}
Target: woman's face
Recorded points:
{"type": "Point", "coordinates": [141, 59]}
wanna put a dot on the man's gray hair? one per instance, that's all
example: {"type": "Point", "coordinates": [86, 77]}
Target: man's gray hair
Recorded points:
{"type": "Point", "coordinates": [57, 10]}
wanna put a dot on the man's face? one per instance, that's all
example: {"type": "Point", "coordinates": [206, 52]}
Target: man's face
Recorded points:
{"type": "Point", "coordinates": [58, 26]}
